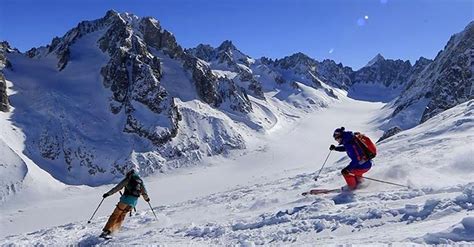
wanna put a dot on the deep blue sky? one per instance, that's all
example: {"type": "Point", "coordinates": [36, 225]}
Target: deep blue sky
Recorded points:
{"type": "Point", "coordinates": [335, 29]}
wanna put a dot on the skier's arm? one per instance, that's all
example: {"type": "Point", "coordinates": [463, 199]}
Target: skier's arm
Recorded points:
{"type": "Point", "coordinates": [145, 194]}
{"type": "Point", "coordinates": [119, 186]}
{"type": "Point", "coordinates": [337, 148]}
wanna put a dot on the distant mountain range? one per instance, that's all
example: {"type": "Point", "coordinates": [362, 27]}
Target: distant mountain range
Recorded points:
{"type": "Point", "coordinates": [120, 91]}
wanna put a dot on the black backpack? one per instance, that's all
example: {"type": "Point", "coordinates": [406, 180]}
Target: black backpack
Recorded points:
{"type": "Point", "coordinates": [134, 186]}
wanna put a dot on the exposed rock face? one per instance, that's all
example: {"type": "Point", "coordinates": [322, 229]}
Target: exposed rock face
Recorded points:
{"type": "Point", "coordinates": [161, 39]}
{"type": "Point", "coordinates": [235, 96]}
{"type": "Point", "coordinates": [454, 83]}
{"type": "Point", "coordinates": [133, 73]}
{"type": "Point", "coordinates": [4, 106]}
{"type": "Point", "coordinates": [441, 84]}
{"type": "Point", "coordinates": [301, 65]}
{"type": "Point", "coordinates": [389, 73]}
{"type": "Point", "coordinates": [214, 90]}
{"type": "Point", "coordinates": [335, 74]}
{"type": "Point", "coordinates": [206, 82]}
{"type": "Point", "coordinates": [295, 68]}
{"type": "Point", "coordinates": [225, 57]}
{"type": "Point", "coordinates": [389, 133]}
{"type": "Point", "coordinates": [299, 61]}
{"type": "Point", "coordinates": [203, 52]}
{"type": "Point", "coordinates": [4, 63]}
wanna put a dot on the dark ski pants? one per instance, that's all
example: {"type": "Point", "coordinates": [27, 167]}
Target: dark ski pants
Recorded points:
{"type": "Point", "coordinates": [117, 217]}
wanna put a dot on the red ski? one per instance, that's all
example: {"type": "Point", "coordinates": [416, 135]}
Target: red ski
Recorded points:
{"type": "Point", "coordinates": [320, 191]}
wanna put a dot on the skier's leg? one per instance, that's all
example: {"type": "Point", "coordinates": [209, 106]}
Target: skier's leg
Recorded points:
{"type": "Point", "coordinates": [351, 181]}
{"type": "Point", "coordinates": [124, 210]}
{"type": "Point", "coordinates": [112, 219]}
{"type": "Point", "coordinates": [358, 173]}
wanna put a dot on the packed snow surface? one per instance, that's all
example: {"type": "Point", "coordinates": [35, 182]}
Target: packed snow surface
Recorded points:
{"type": "Point", "coordinates": [253, 196]}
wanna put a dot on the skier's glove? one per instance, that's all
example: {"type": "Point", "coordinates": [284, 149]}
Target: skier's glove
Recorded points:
{"type": "Point", "coordinates": [332, 147]}
{"type": "Point", "coordinates": [147, 199]}
{"type": "Point", "coordinates": [345, 171]}
{"type": "Point", "coordinates": [105, 195]}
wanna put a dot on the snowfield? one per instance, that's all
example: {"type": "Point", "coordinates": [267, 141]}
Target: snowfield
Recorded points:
{"type": "Point", "coordinates": [253, 196]}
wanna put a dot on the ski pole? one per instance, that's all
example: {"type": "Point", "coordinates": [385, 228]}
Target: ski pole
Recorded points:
{"type": "Point", "coordinates": [381, 181]}
{"type": "Point", "coordinates": [152, 210]}
{"type": "Point", "coordinates": [317, 176]}
{"type": "Point", "coordinates": [95, 211]}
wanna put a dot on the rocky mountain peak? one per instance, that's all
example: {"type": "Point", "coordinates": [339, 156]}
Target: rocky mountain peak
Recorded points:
{"type": "Point", "coordinates": [202, 51]}
{"type": "Point", "coordinates": [130, 17]}
{"type": "Point", "coordinates": [300, 57]}
{"type": "Point", "coordinates": [5, 47]}
{"type": "Point", "coordinates": [300, 65]}
{"type": "Point", "coordinates": [335, 74]}
{"type": "Point", "coordinates": [111, 14]}
{"type": "Point", "coordinates": [296, 60]}
{"type": "Point", "coordinates": [226, 55]}
{"type": "Point", "coordinates": [422, 61]}
{"type": "Point", "coordinates": [378, 58]}
{"type": "Point", "coordinates": [420, 65]}
{"type": "Point", "coordinates": [226, 45]}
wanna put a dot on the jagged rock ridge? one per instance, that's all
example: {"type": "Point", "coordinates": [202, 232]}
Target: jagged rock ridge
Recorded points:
{"type": "Point", "coordinates": [4, 63]}
{"type": "Point", "coordinates": [439, 85]}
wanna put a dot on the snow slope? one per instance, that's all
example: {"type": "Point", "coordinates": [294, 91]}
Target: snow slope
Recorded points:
{"type": "Point", "coordinates": [18, 172]}
{"type": "Point", "coordinates": [255, 198]}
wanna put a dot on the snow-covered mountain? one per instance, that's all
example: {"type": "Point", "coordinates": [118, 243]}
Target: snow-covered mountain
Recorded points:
{"type": "Point", "coordinates": [119, 92]}
{"type": "Point", "coordinates": [263, 75]}
{"type": "Point", "coordinates": [334, 74]}
{"type": "Point", "coordinates": [444, 83]}
{"type": "Point", "coordinates": [380, 74]}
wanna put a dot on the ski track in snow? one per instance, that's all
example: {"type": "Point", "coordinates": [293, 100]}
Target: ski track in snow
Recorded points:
{"type": "Point", "coordinates": [269, 209]}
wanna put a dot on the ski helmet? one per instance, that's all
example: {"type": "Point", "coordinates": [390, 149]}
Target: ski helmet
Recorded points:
{"type": "Point", "coordinates": [338, 133]}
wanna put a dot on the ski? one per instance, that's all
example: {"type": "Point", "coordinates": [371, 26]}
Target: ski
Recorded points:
{"type": "Point", "coordinates": [320, 191]}
{"type": "Point", "coordinates": [106, 237]}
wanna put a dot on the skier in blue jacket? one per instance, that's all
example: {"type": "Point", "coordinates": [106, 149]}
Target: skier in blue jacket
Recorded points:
{"type": "Point", "coordinates": [359, 164]}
